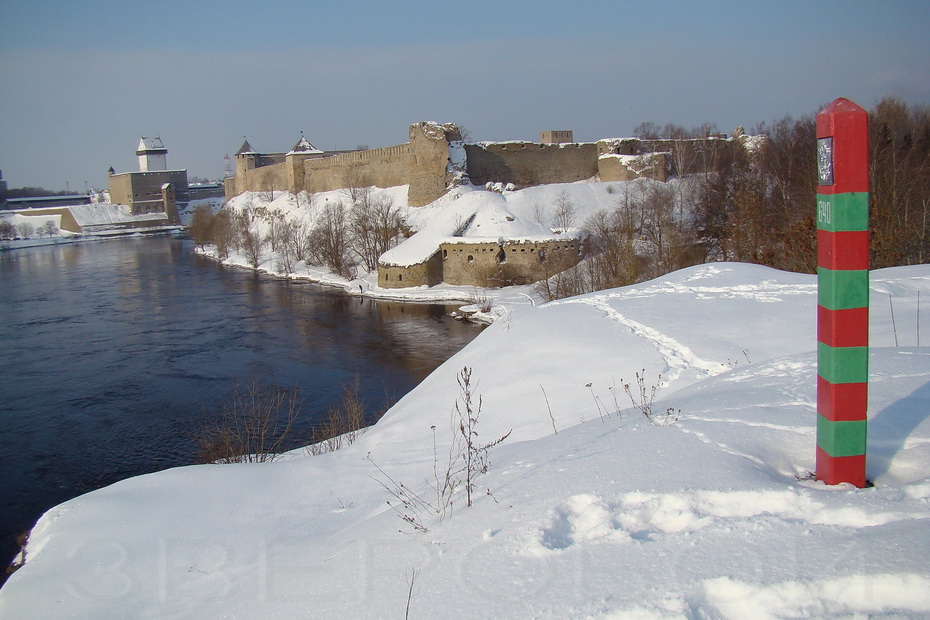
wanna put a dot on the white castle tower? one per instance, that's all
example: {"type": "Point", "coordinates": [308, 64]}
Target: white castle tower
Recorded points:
{"type": "Point", "coordinates": [152, 155]}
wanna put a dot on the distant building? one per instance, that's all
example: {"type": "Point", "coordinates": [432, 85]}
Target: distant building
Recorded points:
{"type": "Point", "coordinates": [154, 188]}
{"type": "Point", "coordinates": [153, 156]}
{"type": "Point", "coordinates": [38, 202]}
{"type": "Point", "coordinates": [556, 137]}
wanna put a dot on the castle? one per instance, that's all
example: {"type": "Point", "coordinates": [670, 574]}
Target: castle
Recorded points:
{"type": "Point", "coordinates": [154, 188]}
{"type": "Point", "coordinates": [436, 158]}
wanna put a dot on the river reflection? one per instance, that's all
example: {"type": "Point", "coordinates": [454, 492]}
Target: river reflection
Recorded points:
{"type": "Point", "coordinates": [113, 352]}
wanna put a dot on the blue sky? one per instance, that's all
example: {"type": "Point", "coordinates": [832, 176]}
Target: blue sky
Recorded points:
{"type": "Point", "coordinates": [81, 81]}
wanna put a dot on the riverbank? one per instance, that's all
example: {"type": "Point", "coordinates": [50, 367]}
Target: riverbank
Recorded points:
{"type": "Point", "coordinates": [116, 353]}
{"type": "Point", "coordinates": [480, 305]}
{"type": "Point", "coordinates": [695, 501]}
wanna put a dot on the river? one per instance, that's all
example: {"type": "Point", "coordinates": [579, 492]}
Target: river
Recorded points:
{"type": "Point", "coordinates": [114, 353]}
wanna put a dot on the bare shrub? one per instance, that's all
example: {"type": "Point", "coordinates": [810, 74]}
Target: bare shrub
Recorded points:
{"type": "Point", "coordinates": [467, 459]}
{"type": "Point", "coordinates": [642, 397]}
{"type": "Point", "coordinates": [344, 422]}
{"type": "Point", "coordinates": [474, 453]}
{"type": "Point", "coordinates": [255, 427]}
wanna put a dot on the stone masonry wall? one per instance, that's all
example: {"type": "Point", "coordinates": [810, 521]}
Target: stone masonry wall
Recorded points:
{"type": "Point", "coordinates": [427, 273]}
{"type": "Point", "coordinates": [490, 263]}
{"type": "Point", "coordinates": [383, 167]}
{"type": "Point", "coordinates": [527, 163]}
{"type": "Point", "coordinates": [422, 164]}
{"type": "Point", "coordinates": [265, 179]}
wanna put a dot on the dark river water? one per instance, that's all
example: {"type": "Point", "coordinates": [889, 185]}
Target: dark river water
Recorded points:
{"type": "Point", "coordinates": [112, 354]}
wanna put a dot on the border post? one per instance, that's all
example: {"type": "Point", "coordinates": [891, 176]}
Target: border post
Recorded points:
{"type": "Point", "coordinates": [842, 292]}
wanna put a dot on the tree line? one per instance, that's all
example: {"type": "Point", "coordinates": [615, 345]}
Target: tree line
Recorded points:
{"type": "Point", "coordinates": [342, 235]}
{"type": "Point", "coordinates": [754, 201]}
{"type": "Point", "coordinates": [748, 199]}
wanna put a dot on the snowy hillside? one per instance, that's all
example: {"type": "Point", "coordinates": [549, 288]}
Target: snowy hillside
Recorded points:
{"type": "Point", "coordinates": [530, 213]}
{"type": "Point", "coordinates": [707, 511]}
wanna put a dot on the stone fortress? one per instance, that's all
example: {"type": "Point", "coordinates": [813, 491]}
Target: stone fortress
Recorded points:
{"type": "Point", "coordinates": [154, 188]}
{"type": "Point", "coordinates": [436, 158]}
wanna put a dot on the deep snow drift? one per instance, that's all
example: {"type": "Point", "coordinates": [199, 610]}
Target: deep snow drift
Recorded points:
{"type": "Point", "coordinates": [586, 511]}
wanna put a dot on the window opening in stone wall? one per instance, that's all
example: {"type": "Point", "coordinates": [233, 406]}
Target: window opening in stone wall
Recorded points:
{"type": "Point", "coordinates": [445, 254]}
{"type": "Point", "coordinates": [400, 277]}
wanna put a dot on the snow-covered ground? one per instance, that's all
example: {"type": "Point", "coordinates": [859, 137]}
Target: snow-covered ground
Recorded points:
{"type": "Point", "coordinates": [97, 220]}
{"type": "Point", "coordinates": [472, 212]}
{"type": "Point", "coordinates": [588, 508]}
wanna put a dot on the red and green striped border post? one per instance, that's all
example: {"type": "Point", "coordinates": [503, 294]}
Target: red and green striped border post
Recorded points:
{"type": "Point", "coordinates": [842, 292]}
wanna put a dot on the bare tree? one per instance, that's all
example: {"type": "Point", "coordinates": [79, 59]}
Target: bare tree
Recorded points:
{"type": "Point", "coordinates": [564, 211]}
{"type": "Point", "coordinates": [223, 233]}
{"type": "Point", "coordinates": [376, 225]}
{"type": "Point", "coordinates": [329, 241]}
{"type": "Point", "coordinates": [647, 131]}
{"type": "Point", "coordinates": [199, 228]}
{"type": "Point", "coordinates": [251, 240]}
{"type": "Point", "coordinates": [354, 181]}
{"type": "Point", "coordinates": [7, 230]}
{"type": "Point", "coordinates": [26, 230]}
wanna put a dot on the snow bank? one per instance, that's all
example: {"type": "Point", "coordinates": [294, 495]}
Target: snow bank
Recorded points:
{"type": "Point", "coordinates": [589, 509]}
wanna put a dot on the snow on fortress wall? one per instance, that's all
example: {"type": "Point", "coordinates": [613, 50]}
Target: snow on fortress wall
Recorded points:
{"type": "Point", "coordinates": [425, 163]}
{"type": "Point", "coordinates": [422, 164]}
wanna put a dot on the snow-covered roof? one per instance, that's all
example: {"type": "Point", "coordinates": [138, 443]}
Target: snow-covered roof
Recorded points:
{"type": "Point", "coordinates": [303, 146]}
{"type": "Point", "coordinates": [245, 148]}
{"type": "Point", "coordinates": [151, 144]}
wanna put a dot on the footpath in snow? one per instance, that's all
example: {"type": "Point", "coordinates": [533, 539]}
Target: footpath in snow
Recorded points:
{"type": "Point", "coordinates": [588, 509]}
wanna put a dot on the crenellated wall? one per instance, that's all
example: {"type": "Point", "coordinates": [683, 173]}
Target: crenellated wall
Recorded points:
{"type": "Point", "coordinates": [422, 164]}
{"type": "Point", "coordinates": [382, 167]}
{"type": "Point", "coordinates": [425, 163]}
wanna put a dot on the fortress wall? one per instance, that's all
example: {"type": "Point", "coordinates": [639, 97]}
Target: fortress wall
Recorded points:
{"type": "Point", "coordinates": [429, 174]}
{"type": "Point", "coordinates": [470, 264]}
{"type": "Point", "coordinates": [692, 156]}
{"type": "Point", "coordinates": [383, 167]}
{"type": "Point", "coordinates": [490, 263]}
{"type": "Point", "coordinates": [525, 163]}
{"type": "Point", "coordinates": [422, 164]}
{"type": "Point", "coordinates": [629, 167]}
{"type": "Point", "coordinates": [427, 273]}
{"type": "Point", "coordinates": [264, 179]}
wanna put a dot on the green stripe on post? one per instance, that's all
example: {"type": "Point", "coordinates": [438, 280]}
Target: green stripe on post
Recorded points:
{"type": "Point", "coordinates": [842, 289]}
{"type": "Point", "coordinates": [841, 438]}
{"type": "Point", "coordinates": [843, 364]}
{"type": "Point", "coordinates": [843, 212]}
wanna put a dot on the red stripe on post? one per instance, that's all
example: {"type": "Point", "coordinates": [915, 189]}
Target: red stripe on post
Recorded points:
{"type": "Point", "coordinates": [848, 125]}
{"type": "Point", "coordinates": [844, 250]}
{"type": "Point", "coordinates": [843, 328]}
{"type": "Point", "coordinates": [837, 469]}
{"type": "Point", "coordinates": [842, 402]}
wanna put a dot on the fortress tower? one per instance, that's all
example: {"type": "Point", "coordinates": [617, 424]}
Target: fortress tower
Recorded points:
{"type": "Point", "coordinates": [153, 156]}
